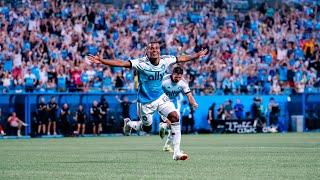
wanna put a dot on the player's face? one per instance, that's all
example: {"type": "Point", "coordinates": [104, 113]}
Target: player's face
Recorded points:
{"type": "Point", "coordinates": [176, 77]}
{"type": "Point", "coordinates": [153, 50]}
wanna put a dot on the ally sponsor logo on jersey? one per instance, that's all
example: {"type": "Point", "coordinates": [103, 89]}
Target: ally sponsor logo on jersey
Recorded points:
{"type": "Point", "coordinates": [156, 76]}
{"type": "Point", "coordinates": [173, 93]}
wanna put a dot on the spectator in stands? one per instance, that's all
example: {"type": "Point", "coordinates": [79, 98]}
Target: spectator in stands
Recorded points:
{"type": "Point", "coordinates": [81, 120]}
{"type": "Point", "coordinates": [125, 106]}
{"type": "Point", "coordinates": [221, 113]}
{"type": "Point", "coordinates": [211, 115]}
{"type": "Point", "coordinates": [187, 118]}
{"type": "Point", "coordinates": [238, 109]}
{"type": "Point", "coordinates": [274, 112]}
{"type": "Point", "coordinates": [228, 110]}
{"type": "Point", "coordinates": [30, 81]}
{"type": "Point", "coordinates": [119, 81]}
{"type": "Point", "coordinates": [96, 118]}
{"type": "Point", "coordinates": [103, 113]}
{"type": "Point", "coordinates": [52, 109]}
{"type": "Point", "coordinates": [64, 119]}
{"type": "Point", "coordinates": [15, 122]}
{"type": "Point", "coordinates": [257, 114]}
{"type": "Point", "coordinates": [1, 124]}
{"type": "Point", "coordinates": [61, 81]}
{"type": "Point", "coordinates": [6, 82]}
{"type": "Point", "coordinates": [42, 116]}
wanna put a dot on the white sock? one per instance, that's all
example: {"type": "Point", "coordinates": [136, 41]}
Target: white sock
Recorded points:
{"type": "Point", "coordinates": [176, 137]}
{"type": "Point", "coordinates": [169, 138]}
{"type": "Point", "coordinates": [165, 126]}
{"type": "Point", "coordinates": [19, 133]}
{"type": "Point", "coordinates": [136, 125]}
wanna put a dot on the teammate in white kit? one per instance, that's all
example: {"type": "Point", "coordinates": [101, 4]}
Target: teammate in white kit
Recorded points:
{"type": "Point", "coordinates": [151, 98]}
{"type": "Point", "coordinates": [173, 85]}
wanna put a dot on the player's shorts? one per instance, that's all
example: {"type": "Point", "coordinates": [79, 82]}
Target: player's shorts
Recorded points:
{"type": "Point", "coordinates": [175, 103]}
{"type": "Point", "coordinates": [81, 121]}
{"type": "Point", "coordinates": [42, 118]}
{"type": "Point", "coordinates": [163, 105]}
{"type": "Point", "coordinates": [14, 124]}
{"type": "Point", "coordinates": [52, 118]}
{"type": "Point", "coordinates": [96, 120]}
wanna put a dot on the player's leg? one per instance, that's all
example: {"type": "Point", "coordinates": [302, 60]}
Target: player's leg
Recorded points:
{"type": "Point", "coordinates": [44, 128]}
{"type": "Point", "coordinates": [54, 127]}
{"type": "Point", "coordinates": [39, 127]}
{"type": "Point", "coordinates": [94, 128]}
{"type": "Point", "coordinates": [145, 114]}
{"type": "Point", "coordinates": [49, 127]}
{"type": "Point", "coordinates": [166, 108]}
{"type": "Point", "coordinates": [83, 129]}
{"type": "Point", "coordinates": [163, 126]}
{"type": "Point", "coordinates": [78, 128]}
{"type": "Point", "coordinates": [19, 129]}
{"type": "Point", "coordinates": [166, 126]}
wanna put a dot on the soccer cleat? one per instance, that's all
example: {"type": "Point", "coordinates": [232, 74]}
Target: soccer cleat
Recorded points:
{"type": "Point", "coordinates": [126, 127]}
{"type": "Point", "coordinates": [162, 130]}
{"type": "Point", "coordinates": [167, 148]}
{"type": "Point", "coordinates": [181, 156]}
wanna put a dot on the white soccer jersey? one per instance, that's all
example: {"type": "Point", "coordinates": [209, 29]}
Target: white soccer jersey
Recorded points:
{"type": "Point", "coordinates": [151, 76]}
{"type": "Point", "coordinates": [173, 89]}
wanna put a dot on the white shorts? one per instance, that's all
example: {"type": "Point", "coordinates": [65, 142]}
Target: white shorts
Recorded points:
{"type": "Point", "coordinates": [14, 124]}
{"type": "Point", "coordinates": [163, 105]}
{"type": "Point", "coordinates": [177, 107]}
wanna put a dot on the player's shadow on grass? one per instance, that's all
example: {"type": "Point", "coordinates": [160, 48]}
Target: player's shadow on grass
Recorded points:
{"type": "Point", "coordinates": [92, 162]}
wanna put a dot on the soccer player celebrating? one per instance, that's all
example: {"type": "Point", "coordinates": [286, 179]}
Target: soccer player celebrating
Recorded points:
{"type": "Point", "coordinates": [172, 85]}
{"type": "Point", "coordinates": [151, 98]}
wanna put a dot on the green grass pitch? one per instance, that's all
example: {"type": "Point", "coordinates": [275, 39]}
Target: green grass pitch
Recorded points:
{"type": "Point", "coordinates": [254, 156]}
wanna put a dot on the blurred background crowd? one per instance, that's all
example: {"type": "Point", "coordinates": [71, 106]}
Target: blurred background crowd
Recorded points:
{"type": "Point", "coordinates": [267, 50]}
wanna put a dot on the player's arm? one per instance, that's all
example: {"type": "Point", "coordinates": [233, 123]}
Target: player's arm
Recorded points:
{"type": "Point", "coordinates": [119, 100]}
{"type": "Point", "coordinates": [9, 119]}
{"type": "Point", "coordinates": [186, 58]}
{"type": "Point", "coordinates": [192, 101]}
{"type": "Point", "coordinates": [113, 63]}
{"type": "Point", "coordinates": [210, 116]}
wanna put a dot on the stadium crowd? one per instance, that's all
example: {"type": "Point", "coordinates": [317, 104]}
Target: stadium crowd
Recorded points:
{"type": "Point", "coordinates": [43, 45]}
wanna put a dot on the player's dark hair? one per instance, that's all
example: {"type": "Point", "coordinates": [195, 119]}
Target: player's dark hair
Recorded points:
{"type": "Point", "coordinates": [178, 70]}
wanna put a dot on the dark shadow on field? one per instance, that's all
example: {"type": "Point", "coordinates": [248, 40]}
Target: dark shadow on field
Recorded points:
{"type": "Point", "coordinates": [136, 150]}
{"type": "Point", "coordinates": [92, 162]}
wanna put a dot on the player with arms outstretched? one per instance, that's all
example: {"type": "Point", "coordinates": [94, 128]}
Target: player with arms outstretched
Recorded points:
{"type": "Point", "coordinates": [151, 98]}
{"type": "Point", "coordinates": [173, 85]}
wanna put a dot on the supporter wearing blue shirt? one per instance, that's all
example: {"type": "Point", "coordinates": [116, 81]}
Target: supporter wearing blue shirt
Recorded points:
{"type": "Point", "coordinates": [238, 109]}
{"type": "Point", "coordinates": [62, 82]}
{"type": "Point", "coordinates": [283, 70]}
{"type": "Point", "coordinates": [30, 81]}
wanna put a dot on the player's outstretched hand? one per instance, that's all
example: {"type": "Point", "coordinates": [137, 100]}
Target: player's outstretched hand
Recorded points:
{"type": "Point", "coordinates": [94, 59]}
{"type": "Point", "coordinates": [202, 53]}
{"type": "Point", "coordinates": [195, 106]}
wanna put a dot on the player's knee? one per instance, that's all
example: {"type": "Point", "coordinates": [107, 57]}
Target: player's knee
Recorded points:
{"type": "Point", "coordinates": [146, 129]}
{"type": "Point", "coordinates": [173, 117]}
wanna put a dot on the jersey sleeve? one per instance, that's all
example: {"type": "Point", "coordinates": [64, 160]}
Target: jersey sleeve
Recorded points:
{"type": "Point", "coordinates": [169, 59]}
{"type": "Point", "coordinates": [136, 63]}
{"type": "Point", "coordinates": [185, 87]}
